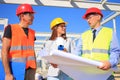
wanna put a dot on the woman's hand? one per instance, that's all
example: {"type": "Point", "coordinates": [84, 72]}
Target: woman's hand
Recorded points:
{"type": "Point", "coordinates": [65, 50]}
{"type": "Point", "coordinates": [54, 65]}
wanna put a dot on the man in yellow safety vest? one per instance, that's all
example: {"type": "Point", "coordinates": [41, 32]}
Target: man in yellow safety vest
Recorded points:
{"type": "Point", "coordinates": [98, 43]}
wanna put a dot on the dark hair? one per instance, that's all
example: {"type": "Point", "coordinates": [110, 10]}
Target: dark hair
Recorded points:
{"type": "Point", "coordinates": [54, 33]}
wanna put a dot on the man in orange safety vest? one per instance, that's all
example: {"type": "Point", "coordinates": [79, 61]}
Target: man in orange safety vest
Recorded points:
{"type": "Point", "coordinates": [18, 43]}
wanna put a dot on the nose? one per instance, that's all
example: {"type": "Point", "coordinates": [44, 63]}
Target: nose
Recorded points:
{"type": "Point", "coordinates": [64, 27]}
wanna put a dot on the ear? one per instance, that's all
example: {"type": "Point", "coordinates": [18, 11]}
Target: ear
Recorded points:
{"type": "Point", "coordinates": [21, 15]}
{"type": "Point", "coordinates": [99, 17]}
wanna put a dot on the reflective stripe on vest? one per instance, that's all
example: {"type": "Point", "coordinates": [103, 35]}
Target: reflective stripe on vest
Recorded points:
{"type": "Point", "coordinates": [18, 60]}
{"type": "Point", "coordinates": [95, 51]}
{"type": "Point", "coordinates": [99, 50]}
{"type": "Point", "coordinates": [22, 46]}
{"type": "Point", "coordinates": [22, 59]}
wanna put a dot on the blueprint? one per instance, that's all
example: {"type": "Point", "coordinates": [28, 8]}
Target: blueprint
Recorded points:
{"type": "Point", "coordinates": [77, 67]}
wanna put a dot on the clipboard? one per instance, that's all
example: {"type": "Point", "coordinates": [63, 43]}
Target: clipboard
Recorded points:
{"type": "Point", "coordinates": [17, 69]}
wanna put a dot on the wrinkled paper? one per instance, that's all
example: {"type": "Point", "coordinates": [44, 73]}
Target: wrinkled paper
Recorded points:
{"type": "Point", "coordinates": [77, 67]}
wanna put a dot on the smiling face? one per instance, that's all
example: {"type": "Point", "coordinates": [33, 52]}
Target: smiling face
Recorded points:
{"type": "Point", "coordinates": [61, 29]}
{"type": "Point", "coordinates": [58, 31]}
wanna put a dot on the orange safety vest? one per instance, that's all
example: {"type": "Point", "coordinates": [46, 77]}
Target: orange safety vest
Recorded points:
{"type": "Point", "coordinates": [22, 46]}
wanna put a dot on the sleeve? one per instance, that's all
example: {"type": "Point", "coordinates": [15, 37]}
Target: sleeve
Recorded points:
{"type": "Point", "coordinates": [77, 46]}
{"type": "Point", "coordinates": [114, 51]}
{"type": "Point", "coordinates": [35, 38]}
{"type": "Point", "coordinates": [7, 32]}
{"type": "Point", "coordinates": [67, 44]}
{"type": "Point", "coordinates": [48, 45]}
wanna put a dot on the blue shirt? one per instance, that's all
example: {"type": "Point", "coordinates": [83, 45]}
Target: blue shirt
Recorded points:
{"type": "Point", "coordinates": [114, 48]}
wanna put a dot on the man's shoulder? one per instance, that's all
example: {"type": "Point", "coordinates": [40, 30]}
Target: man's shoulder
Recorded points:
{"type": "Point", "coordinates": [9, 26]}
{"type": "Point", "coordinates": [31, 29]}
{"type": "Point", "coordinates": [107, 29]}
{"type": "Point", "coordinates": [12, 25]}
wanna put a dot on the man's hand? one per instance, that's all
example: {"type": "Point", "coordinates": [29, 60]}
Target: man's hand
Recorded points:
{"type": "Point", "coordinates": [106, 65]}
{"type": "Point", "coordinates": [9, 77]}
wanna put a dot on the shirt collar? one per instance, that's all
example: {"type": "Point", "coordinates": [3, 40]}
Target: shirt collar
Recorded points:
{"type": "Point", "coordinates": [97, 29]}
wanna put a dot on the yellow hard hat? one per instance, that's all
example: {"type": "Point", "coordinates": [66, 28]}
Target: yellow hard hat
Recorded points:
{"type": "Point", "coordinates": [56, 21]}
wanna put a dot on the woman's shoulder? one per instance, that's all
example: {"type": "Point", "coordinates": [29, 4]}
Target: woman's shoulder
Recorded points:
{"type": "Point", "coordinates": [68, 39]}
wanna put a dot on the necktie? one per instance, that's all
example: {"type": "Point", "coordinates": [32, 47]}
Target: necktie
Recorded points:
{"type": "Point", "coordinates": [94, 34]}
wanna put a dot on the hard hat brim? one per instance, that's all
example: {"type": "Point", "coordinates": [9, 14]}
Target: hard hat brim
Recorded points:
{"type": "Point", "coordinates": [59, 23]}
{"type": "Point", "coordinates": [85, 16]}
{"type": "Point", "coordinates": [92, 10]}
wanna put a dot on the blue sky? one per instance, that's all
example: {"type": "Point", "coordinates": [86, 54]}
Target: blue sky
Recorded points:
{"type": "Point", "coordinates": [45, 14]}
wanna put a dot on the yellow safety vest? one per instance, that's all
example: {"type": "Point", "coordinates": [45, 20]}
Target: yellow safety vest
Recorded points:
{"type": "Point", "coordinates": [99, 49]}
